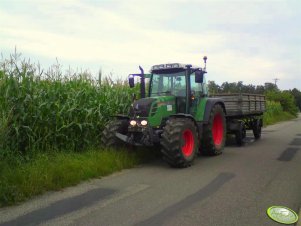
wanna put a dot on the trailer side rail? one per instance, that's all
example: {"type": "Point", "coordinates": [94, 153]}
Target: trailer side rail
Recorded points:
{"type": "Point", "coordinates": [243, 104]}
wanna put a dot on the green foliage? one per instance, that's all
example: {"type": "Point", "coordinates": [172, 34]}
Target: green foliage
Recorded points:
{"type": "Point", "coordinates": [286, 99]}
{"type": "Point", "coordinates": [274, 113]}
{"type": "Point", "coordinates": [297, 95]}
{"type": "Point", "coordinates": [45, 117]}
{"type": "Point", "coordinates": [239, 87]}
{"type": "Point", "coordinates": [51, 111]}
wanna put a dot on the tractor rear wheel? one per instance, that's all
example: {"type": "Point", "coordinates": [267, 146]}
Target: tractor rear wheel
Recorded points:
{"type": "Point", "coordinates": [214, 135]}
{"type": "Point", "coordinates": [179, 143]}
{"type": "Point", "coordinates": [109, 138]}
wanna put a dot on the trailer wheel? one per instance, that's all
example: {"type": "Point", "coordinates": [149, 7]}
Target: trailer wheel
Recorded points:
{"type": "Point", "coordinates": [109, 138]}
{"type": "Point", "coordinates": [240, 135]}
{"type": "Point", "coordinates": [214, 132]}
{"type": "Point", "coordinates": [257, 124]}
{"type": "Point", "coordinates": [179, 143]}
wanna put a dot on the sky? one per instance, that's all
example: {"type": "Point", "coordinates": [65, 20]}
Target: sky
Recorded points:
{"type": "Point", "coordinates": [254, 41]}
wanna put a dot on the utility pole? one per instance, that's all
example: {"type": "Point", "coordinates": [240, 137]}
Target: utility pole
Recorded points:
{"type": "Point", "coordinates": [276, 80]}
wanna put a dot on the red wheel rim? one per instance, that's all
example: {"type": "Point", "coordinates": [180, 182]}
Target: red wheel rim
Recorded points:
{"type": "Point", "coordinates": [188, 146]}
{"type": "Point", "coordinates": [218, 129]}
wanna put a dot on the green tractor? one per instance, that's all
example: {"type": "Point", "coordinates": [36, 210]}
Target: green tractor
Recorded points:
{"type": "Point", "coordinates": [175, 113]}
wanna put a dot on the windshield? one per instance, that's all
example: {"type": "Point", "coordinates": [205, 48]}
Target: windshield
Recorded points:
{"type": "Point", "coordinates": [168, 84]}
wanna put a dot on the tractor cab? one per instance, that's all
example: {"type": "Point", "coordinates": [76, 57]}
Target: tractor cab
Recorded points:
{"type": "Point", "coordinates": [184, 82]}
{"type": "Point", "coordinates": [177, 87]}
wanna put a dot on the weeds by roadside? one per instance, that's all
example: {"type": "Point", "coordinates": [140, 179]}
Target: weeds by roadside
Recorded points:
{"type": "Point", "coordinates": [24, 178]}
{"type": "Point", "coordinates": [274, 113]}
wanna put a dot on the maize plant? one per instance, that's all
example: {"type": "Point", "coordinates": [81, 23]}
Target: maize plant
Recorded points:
{"type": "Point", "coordinates": [51, 111]}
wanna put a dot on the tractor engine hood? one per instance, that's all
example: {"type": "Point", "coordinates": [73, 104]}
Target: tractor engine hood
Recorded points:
{"type": "Point", "coordinates": [142, 107]}
{"type": "Point", "coordinates": [154, 108]}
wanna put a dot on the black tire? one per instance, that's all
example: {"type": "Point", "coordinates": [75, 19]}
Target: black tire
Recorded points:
{"type": "Point", "coordinates": [109, 138]}
{"type": "Point", "coordinates": [257, 124]}
{"type": "Point", "coordinates": [240, 135]}
{"type": "Point", "coordinates": [179, 142]}
{"type": "Point", "coordinates": [214, 134]}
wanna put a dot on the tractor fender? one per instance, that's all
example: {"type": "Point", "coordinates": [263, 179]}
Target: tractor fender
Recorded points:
{"type": "Point", "coordinates": [182, 115]}
{"type": "Point", "coordinates": [199, 125]}
{"type": "Point", "coordinates": [209, 105]}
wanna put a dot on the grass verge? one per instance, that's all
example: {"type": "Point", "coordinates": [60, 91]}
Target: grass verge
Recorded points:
{"type": "Point", "coordinates": [274, 113]}
{"type": "Point", "coordinates": [284, 116]}
{"type": "Point", "coordinates": [20, 180]}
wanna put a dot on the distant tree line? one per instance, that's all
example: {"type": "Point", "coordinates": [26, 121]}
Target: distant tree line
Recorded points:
{"type": "Point", "coordinates": [239, 87]}
{"type": "Point", "coordinates": [290, 100]}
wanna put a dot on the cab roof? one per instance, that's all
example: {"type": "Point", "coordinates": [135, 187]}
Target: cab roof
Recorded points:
{"type": "Point", "coordinates": [170, 68]}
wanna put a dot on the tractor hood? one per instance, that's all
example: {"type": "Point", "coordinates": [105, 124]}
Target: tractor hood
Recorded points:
{"type": "Point", "coordinates": [142, 107]}
{"type": "Point", "coordinates": [154, 109]}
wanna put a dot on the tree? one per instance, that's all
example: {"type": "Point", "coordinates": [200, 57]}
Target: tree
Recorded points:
{"type": "Point", "coordinates": [260, 89]}
{"type": "Point", "coordinates": [213, 87]}
{"type": "Point", "coordinates": [232, 87]}
{"type": "Point", "coordinates": [297, 95]}
{"type": "Point", "coordinates": [268, 86]}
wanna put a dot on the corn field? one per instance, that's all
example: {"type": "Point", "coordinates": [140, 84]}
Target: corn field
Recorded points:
{"type": "Point", "coordinates": [50, 111]}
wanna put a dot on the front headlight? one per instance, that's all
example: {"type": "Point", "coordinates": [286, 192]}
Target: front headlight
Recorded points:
{"type": "Point", "coordinates": [133, 123]}
{"type": "Point", "coordinates": [143, 122]}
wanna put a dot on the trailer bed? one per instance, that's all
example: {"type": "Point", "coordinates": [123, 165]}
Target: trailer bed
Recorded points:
{"type": "Point", "coordinates": [242, 104]}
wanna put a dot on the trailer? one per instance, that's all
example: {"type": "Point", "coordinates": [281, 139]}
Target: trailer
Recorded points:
{"type": "Point", "coordinates": [244, 111]}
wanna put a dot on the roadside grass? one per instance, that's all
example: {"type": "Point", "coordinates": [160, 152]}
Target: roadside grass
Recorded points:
{"type": "Point", "coordinates": [274, 113]}
{"type": "Point", "coordinates": [277, 118]}
{"type": "Point", "coordinates": [22, 179]}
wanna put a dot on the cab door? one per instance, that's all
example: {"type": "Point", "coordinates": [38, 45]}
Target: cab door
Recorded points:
{"type": "Point", "coordinates": [198, 92]}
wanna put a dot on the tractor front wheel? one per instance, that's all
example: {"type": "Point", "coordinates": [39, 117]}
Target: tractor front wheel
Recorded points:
{"type": "Point", "coordinates": [214, 135]}
{"type": "Point", "coordinates": [109, 138]}
{"type": "Point", "coordinates": [179, 142]}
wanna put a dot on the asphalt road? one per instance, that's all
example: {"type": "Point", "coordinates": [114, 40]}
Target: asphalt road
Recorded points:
{"type": "Point", "coordinates": [235, 188]}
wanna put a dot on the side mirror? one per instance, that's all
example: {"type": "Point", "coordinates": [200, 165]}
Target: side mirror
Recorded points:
{"type": "Point", "coordinates": [131, 81]}
{"type": "Point", "coordinates": [199, 76]}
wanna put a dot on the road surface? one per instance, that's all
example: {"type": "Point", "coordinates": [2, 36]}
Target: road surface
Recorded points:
{"type": "Point", "coordinates": [235, 188]}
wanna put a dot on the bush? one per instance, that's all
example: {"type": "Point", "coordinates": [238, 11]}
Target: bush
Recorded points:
{"type": "Point", "coordinates": [286, 99]}
{"type": "Point", "coordinates": [274, 113]}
